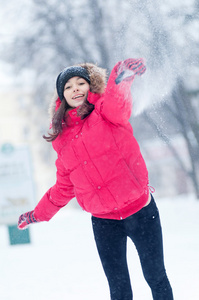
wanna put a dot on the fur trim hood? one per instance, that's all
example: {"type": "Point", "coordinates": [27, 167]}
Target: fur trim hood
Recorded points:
{"type": "Point", "coordinates": [98, 77]}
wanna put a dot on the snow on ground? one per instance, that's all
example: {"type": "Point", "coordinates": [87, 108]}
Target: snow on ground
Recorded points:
{"type": "Point", "coordinates": [62, 262]}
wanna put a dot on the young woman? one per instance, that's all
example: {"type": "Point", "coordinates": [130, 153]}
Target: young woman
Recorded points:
{"type": "Point", "coordinates": [99, 162]}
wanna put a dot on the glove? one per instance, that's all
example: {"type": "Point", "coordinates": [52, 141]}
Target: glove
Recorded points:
{"type": "Point", "coordinates": [26, 219]}
{"type": "Point", "coordinates": [129, 68]}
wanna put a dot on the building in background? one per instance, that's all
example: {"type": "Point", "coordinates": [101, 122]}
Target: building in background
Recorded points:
{"type": "Point", "coordinates": [24, 174]}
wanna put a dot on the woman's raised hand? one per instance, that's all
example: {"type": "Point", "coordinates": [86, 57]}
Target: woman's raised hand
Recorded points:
{"type": "Point", "coordinates": [128, 68]}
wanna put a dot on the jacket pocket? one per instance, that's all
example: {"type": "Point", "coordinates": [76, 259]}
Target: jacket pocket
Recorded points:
{"type": "Point", "coordinates": [123, 184]}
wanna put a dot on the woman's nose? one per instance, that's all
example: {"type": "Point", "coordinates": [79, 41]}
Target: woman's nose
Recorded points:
{"type": "Point", "coordinates": [75, 88]}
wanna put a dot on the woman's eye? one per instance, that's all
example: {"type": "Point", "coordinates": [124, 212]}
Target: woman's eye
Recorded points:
{"type": "Point", "coordinates": [81, 83]}
{"type": "Point", "coordinates": [67, 87]}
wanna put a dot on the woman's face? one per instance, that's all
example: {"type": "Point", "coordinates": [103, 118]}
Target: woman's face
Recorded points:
{"type": "Point", "coordinates": [76, 91]}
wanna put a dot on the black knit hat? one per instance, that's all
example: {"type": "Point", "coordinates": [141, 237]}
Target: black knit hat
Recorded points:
{"type": "Point", "coordinates": [68, 73]}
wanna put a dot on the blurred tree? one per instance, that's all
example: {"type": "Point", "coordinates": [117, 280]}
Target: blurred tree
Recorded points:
{"type": "Point", "coordinates": [58, 34]}
{"type": "Point", "coordinates": [182, 103]}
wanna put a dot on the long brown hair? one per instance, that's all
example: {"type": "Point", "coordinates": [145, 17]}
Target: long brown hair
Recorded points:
{"type": "Point", "coordinates": [60, 116]}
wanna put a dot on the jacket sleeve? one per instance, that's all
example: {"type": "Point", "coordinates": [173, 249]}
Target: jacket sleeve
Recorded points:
{"type": "Point", "coordinates": [117, 102]}
{"type": "Point", "coordinates": [57, 196]}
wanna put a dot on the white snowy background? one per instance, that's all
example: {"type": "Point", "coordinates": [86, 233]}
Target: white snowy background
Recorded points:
{"type": "Point", "coordinates": [62, 261]}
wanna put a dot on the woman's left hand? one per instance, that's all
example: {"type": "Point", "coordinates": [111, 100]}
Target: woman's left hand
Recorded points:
{"type": "Point", "coordinates": [128, 68]}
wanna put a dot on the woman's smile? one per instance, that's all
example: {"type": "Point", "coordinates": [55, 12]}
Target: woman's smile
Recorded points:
{"type": "Point", "coordinates": [78, 97]}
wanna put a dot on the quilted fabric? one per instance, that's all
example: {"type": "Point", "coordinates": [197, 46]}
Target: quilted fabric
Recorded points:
{"type": "Point", "coordinates": [99, 160]}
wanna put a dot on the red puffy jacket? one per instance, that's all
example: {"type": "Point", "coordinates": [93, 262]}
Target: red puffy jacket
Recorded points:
{"type": "Point", "coordinates": [99, 160]}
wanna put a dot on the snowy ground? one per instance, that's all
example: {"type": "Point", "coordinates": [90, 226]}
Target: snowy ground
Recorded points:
{"type": "Point", "coordinates": [62, 263]}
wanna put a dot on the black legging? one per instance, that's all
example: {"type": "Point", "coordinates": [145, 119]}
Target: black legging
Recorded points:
{"type": "Point", "coordinates": [144, 229]}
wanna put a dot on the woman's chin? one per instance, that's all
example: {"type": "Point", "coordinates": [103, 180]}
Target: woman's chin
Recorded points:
{"type": "Point", "coordinates": [78, 103]}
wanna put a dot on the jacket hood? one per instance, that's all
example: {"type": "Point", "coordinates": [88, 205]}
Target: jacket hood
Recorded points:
{"type": "Point", "coordinates": [98, 77]}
